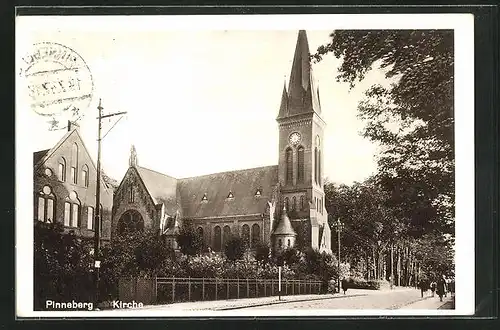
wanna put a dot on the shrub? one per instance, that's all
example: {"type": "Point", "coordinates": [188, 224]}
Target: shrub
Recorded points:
{"type": "Point", "coordinates": [262, 252]}
{"type": "Point", "coordinates": [190, 242]}
{"type": "Point", "coordinates": [361, 283]}
{"type": "Point", "coordinates": [235, 248]}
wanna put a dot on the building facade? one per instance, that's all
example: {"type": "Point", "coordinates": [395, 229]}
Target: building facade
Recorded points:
{"type": "Point", "coordinates": [65, 179]}
{"type": "Point", "coordinates": [280, 205]}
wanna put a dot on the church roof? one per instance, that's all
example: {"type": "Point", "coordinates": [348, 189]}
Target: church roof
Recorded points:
{"type": "Point", "coordinates": [161, 187]}
{"type": "Point", "coordinates": [302, 92]}
{"type": "Point", "coordinates": [242, 184]}
{"type": "Point", "coordinates": [284, 227]}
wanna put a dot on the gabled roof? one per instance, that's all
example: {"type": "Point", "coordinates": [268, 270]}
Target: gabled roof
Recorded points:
{"type": "Point", "coordinates": [162, 188]}
{"type": "Point", "coordinates": [243, 184]}
{"type": "Point", "coordinates": [46, 154]}
{"type": "Point", "coordinates": [284, 227]}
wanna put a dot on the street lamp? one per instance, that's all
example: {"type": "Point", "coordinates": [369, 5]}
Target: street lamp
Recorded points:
{"type": "Point", "coordinates": [339, 226]}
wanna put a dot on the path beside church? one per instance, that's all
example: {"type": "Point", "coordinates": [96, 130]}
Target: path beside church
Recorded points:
{"type": "Point", "coordinates": [354, 299]}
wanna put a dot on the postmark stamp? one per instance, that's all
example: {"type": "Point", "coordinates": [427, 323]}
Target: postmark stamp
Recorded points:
{"type": "Point", "coordinates": [57, 80]}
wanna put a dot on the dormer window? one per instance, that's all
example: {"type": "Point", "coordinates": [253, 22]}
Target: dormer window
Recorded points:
{"type": "Point", "coordinates": [230, 195]}
{"type": "Point", "coordinates": [204, 198]}
{"type": "Point", "coordinates": [258, 193]}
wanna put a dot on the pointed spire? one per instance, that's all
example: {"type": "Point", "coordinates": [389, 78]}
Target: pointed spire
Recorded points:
{"type": "Point", "coordinates": [132, 162]}
{"type": "Point", "coordinates": [302, 95]}
{"type": "Point", "coordinates": [284, 103]}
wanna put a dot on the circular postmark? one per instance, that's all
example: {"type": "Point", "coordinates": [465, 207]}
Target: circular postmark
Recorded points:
{"type": "Point", "coordinates": [57, 81]}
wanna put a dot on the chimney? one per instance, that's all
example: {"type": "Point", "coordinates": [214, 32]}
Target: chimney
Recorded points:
{"type": "Point", "coordinates": [72, 126]}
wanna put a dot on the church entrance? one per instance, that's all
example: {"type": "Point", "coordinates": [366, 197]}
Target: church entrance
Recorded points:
{"type": "Point", "coordinates": [130, 221]}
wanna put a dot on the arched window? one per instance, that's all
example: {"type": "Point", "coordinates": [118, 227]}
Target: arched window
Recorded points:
{"type": "Point", "coordinates": [279, 243]}
{"type": "Point", "coordinates": [85, 175]}
{"type": "Point", "coordinates": [255, 234]}
{"type": "Point", "coordinates": [130, 221]}
{"type": "Point", "coordinates": [226, 234]}
{"type": "Point", "coordinates": [287, 203]}
{"type": "Point", "coordinates": [319, 167]}
{"type": "Point", "coordinates": [300, 164]}
{"type": "Point", "coordinates": [199, 231]}
{"type": "Point", "coordinates": [245, 234]}
{"type": "Point", "coordinates": [289, 166]}
{"type": "Point", "coordinates": [71, 214]}
{"type": "Point", "coordinates": [294, 203]}
{"type": "Point", "coordinates": [131, 192]}
{"type": "Point", "coordinates": [90, 218]}
{"type": "Point", "coordinates": [217, 239]}
{"type": "Point", "coordinates": [74, 163]}
{"type": "Point", "coordinates": [316, 165]}
{"type": "Point", "coordinates": [289, 243]}
{"type": "Point", "coordinates": [74, 155]}
{"type": "Point", "coordinates": [61, 170]}
{"type": "Point", "coordinates": [302, 203]}
{"type": "Point", "coordinates": [46, 201]}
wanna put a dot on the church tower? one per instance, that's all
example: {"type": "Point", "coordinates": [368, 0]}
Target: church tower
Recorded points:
{"type": "Point", "coordinates": [301, 149]}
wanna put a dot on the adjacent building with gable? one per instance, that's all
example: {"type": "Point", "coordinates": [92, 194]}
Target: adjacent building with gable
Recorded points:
{"type": "Point", "coordinates": [280, 205]}
{"type": "Point", "coordinates": [65, 179]}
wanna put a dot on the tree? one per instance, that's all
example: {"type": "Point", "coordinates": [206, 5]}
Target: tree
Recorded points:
{"type": "Point", "coordinates": [112, 183]}
{"type": "Point", "coordinates": [190, 243]}
{"type": "Point", "coordinates": [412, 119]}
{"type": "Point", "coordinates": [62, 264]}
{"type": "Point", "coordinates": [235, 248]}
{"type": "Point", "coordinates": [262, 252]}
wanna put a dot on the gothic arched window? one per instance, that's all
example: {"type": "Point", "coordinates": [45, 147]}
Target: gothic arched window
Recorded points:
{"type": "Point", "coordinates": [217, 239]}
{"type": "Point", "coordinates": [46, 201]}
{"type": "Point", "coordinates": [300, 164]}
{"type": "Point", "coordinates": [62, 170]}
{"type": "Point", "coordinates": [302, 203]}
{"type": "Point", "coordinates": [226, 234]}
{"type": "Point", "coordinates": [287, 203]}
{"type": "Point", "coordinates": [316, 165]}
{"type": "Point", "coordinates": [74, 163]}
{"type": "Point", "coordinates": [319, 166]}
{"type": "Point", "coordinates": [85, 175]}
{"type": "Point", "coordinates": [289, 166]}
{"type": "Point", "coordinates": [245, 234]}
{"type": "Point", "coordinates": [294, 203]}
{"type": "Point", "coordinates": [255, 234]}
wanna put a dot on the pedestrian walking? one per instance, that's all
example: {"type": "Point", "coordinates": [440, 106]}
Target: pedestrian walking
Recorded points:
{"type": "Point", "coordinates": [441, 287]}
{"type": "Point", "coordinates": [345, 284]}
{"type": "Point", "coordinates": [433, 287]}
{"type": "Point", "coordinates": [424, 286]}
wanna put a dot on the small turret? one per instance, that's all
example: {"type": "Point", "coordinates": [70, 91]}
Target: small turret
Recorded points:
{"type": "Point", "coordinates": [132, 162]}
{"type": "Point", "coordinates": [284, 234]}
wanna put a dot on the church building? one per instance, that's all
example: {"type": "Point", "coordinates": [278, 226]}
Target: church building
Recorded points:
{"type": "Point", "coordinates": [280, 205]}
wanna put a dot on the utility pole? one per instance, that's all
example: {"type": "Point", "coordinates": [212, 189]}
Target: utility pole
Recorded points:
{"type": "Point", "coordinates": [97, 222]}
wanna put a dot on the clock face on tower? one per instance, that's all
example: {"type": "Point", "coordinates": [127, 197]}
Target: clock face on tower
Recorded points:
{"type": "Point", "coordinates": [294, 138]}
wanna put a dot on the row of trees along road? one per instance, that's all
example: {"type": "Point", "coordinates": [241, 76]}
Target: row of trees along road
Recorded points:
{"type": "Point", "coordinates": [408, 205]}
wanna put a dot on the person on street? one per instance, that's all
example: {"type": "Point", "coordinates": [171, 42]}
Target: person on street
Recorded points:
{"type": "Point", "coordinates": [433, 287]}
{"type": "Point", "coordinates": [424, 286]}
{"type": "Point", "coordinates": [441, 288]}
{"type": "Point", "coordinates": [344, 284]}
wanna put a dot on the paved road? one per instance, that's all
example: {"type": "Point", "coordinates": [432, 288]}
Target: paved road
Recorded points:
{"type": "Point", "coordinates": [399, 298]}
{"type": "Point", "coordinates": [395, 299]}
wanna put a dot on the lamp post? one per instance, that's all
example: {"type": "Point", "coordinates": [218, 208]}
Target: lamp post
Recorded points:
{"type": "Point", "coordinates": [339, 226]}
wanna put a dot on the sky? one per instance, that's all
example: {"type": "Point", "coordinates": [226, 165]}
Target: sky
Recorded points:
{"type": "Point", "coordinates": [201, 101]}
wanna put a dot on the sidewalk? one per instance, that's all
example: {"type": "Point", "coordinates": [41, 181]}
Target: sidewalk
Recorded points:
{"type": "Point", "coordinates": [220, 305]}
{"type": "Point", "coordinates": [430, 302]}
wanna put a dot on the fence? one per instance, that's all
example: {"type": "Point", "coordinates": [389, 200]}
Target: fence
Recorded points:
{"type": "Point", "coordinates": [172, 289]}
